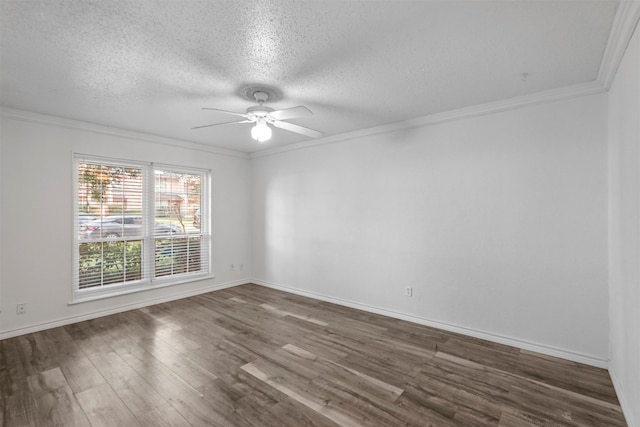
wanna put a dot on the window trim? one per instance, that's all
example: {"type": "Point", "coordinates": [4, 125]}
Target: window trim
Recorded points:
{"type": "Point", "coordinates": [148, 280]}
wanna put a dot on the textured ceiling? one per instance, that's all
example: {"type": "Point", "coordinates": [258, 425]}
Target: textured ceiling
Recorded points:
{"type": "Point", "coordinates": [150, 66]}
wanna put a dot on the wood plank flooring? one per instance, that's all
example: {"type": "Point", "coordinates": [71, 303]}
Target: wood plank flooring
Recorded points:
{"type": "Point", "coordinates": [253, 356]}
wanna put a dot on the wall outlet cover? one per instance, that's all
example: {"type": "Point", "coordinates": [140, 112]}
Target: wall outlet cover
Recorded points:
{"type": "Point", "coordinates": [21, 309]}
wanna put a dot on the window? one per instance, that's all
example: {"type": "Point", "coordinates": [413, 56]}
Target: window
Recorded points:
{"type": "Point", "coordinates": [137, 226]}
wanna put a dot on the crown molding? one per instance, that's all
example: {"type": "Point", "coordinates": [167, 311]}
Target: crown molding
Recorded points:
{"type": "Point", "coordinates": [548, 96]}
{"type": "Point", "coordinates": [28, 116]}
{"type": "Point", "coordinates": [624, 25]}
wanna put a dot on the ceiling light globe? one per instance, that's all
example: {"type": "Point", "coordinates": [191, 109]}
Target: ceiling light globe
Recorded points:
{"type": "Point", "coordinates": [261, 132]}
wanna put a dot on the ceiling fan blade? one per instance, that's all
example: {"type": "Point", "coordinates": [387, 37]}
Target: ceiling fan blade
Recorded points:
{"type": "Point", "coordinates": [225, 111]}
{"type": "Point", "coordinates": [298, 129]}
{"type": "Point", "coordinates": [220, 124]}
{"type": "Point", "coordinates": [291, 113]}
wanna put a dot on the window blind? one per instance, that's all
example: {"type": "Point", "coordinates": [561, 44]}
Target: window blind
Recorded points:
{"type": "Point", "coordinates": [181, 242]}
{"type": "Point", "coordinates": [138, 225]}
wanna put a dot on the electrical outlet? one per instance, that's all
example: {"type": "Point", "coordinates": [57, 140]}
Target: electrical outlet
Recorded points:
{"type": "Point", "coordinates": [408, 291]}
{"type": "Point", "coordinates": [232, 268]}
{"type": "Point", "coordinates": [21, 308]}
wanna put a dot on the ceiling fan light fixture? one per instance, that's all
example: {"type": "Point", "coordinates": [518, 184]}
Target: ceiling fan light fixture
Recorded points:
{"type": "Point", "coordinates": [261, 132]}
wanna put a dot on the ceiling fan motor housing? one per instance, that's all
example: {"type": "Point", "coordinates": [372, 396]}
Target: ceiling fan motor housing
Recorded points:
{"type": "Point", "coordinates": [259, 111]}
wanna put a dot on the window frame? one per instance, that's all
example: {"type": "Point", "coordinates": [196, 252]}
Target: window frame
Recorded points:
{"type": "Point", "coordinates": [148, 281]}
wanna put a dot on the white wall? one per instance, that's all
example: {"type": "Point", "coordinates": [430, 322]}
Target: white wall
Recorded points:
{"type": "Point", "coordinates": [624, 229]}
{"type": "Point", "coordinates": [36, 214]}
{"type": "Point", "coordinates": [498, 222]}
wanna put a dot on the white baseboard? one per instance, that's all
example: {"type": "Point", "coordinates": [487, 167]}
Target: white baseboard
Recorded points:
{"type": "Point", "coordinates": [526, 345]}
{"type": "Point", "coordinates": [75, 319]}
{"type": "Point", "coordinates": [625, 404]}
{"type": "Point", "coordinates": [500, 339]}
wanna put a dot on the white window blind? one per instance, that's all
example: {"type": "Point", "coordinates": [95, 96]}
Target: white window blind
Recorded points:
{"type": "Point", "coordinates": [180, 240]}
{"type": "Point", "coordinates": [137, 226]}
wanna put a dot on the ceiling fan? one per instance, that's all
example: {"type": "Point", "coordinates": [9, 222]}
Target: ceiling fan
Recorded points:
{"type": "Point", "coordinates": [264, 116]}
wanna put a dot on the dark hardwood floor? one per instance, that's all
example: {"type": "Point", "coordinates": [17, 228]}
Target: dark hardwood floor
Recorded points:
{"type": "Point", "coordinates": [252, 356]}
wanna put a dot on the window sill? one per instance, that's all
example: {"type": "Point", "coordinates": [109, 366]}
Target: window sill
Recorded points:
{"type": "Point", "coordinates": [81, 297]}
